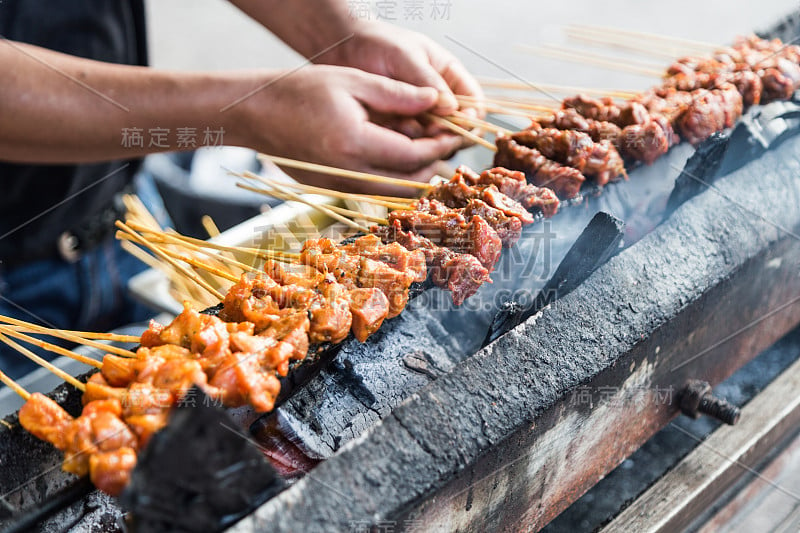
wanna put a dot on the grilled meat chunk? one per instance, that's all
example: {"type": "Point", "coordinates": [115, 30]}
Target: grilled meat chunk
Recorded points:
{"type": "Point", "coordinates": [462, 274]}
{"type": "Point", "coordinates": [565, 181]}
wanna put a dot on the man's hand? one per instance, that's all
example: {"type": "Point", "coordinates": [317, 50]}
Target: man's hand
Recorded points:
{"type": "Point", "coordinates": [407, 56]}
{"type": "Point", "coordinates": [323, 114]}
{"type": "Point", "coordinates": [312, 26]}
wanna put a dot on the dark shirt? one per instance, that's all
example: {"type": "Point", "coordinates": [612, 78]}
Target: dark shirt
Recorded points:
{"type": "Point", "coordinates": [105, 30]}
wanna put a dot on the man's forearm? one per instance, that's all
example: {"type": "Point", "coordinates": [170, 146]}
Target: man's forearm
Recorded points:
{"type": "Point", "coordinates": [308, 26]}
{"type": "Point", "coordinates": [61, 109]}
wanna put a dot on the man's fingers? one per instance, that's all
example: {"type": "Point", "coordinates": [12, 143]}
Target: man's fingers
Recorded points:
{"type": "Point", "coordinates": [419, 71]}
{"type": "Point", "coordinates": [392, 150]}
{"type": "Point", "coordinates": [462, 82]}
{"type": "Point", "coordinates": [386, 95]}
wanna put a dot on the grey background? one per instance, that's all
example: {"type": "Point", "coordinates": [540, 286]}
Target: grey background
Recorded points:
{"type": "Point", "coordinates": [214, 35]}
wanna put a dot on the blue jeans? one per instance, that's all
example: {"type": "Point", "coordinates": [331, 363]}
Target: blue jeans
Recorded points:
{"type": "Point", "coordinates": [90, 294]}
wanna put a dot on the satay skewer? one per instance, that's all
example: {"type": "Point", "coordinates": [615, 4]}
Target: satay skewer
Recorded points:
{"type": "Point", "coordinates": [579, 56]}
{"type": "Point", "coordinates": [455, 128]}
{"type": "Point", "coordinates": [464, 120]}
{"type": "Point", "coordinates": [629, 46]}
{"type": "Point", "coordinates": [264, 254]}
{"type": "Point", "coordinates": [170, 238]}
{"type": "Point", "coordinates": [323, 209]}
{"type": "Point", "coordinates": [113, 337]}
{"type": "Point", "coordinates": [157, 251]}
{"type": "Point", "coordinates": [11, 332]}
{"type": "Point", "coordinates": [355, 215]}
{"type": "Point", "coordinates": [63, 334]}
{"type": "Point", "coordinates": [43, 363]}
{"type": "Point", "coordinates": [390, 202]}
{"type": "Point", "coordinates": [13, 385]}
{"type": "Point", "coordinates": [210, 226]}
{"type": "Point", "coordinates": [645, 37]}
{"type": "Point", "coordinates": [495, 103]}
{"type": "Point", "coordinates": [567, 89]}
{"type": "Point", "coordinates": [351, 174]}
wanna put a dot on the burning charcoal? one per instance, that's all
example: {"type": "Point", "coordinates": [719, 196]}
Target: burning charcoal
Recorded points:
{"type": "Point", "coordinates": [365, 382]}
{"type": "Point", "coordinates": [598, 242]}
{"type": "Point", "coordinates": [198, 474]}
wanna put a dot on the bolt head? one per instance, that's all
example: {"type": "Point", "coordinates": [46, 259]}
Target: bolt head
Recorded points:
{"type": "Point", "coordinates": [691, 396]}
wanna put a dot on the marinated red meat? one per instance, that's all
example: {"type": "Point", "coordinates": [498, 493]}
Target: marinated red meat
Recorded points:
{"type": "Point", "coordinates": [457, 193]}
{"type": "Point", "coordinates": [462, 274]}
{"type": "Point", "coordinates": [565, 181]}
{"type": "Point", "coordinates": [710, 111]}
{"type": "Point", "coordinates": [449, 228]}
{"type": "Point", "coordinates": [513, 184]}
{"type": "Point", "coordinates": [603, 109]}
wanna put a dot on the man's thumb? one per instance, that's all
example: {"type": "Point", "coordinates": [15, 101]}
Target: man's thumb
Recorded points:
{"type": "Point", "coordinates": [386, 95]}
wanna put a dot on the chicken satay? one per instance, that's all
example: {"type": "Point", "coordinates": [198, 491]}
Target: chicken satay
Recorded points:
{"type": "Point", "coordinates": [98, 431]}
{"type": "Point", "coordinates": [355, 271]}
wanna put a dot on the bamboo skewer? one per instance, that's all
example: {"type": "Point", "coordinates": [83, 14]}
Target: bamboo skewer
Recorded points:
{"type": "Point", "coordinates": [646, 37]}
{"type": "Point", "coordinates": [544, 103]}
{"type": "Point", "coordinates": [199, 264]}
{"type": "Point", "coordinates": [138, 212]}
{"type": "Point", "coordinates": [455, 128]}
{"type": "Point", "coordinates": [8, 330]}
{"type": "Point", "coordinates": [264, 254]}
{"type": "Point", "coordinates": [43, 363]}
{"type": "Point", "coordinates": [390, 202]}
{"type": "Point", "coordinates": [636, 47]}
{"type": "Point", "coordinates": [113, 337]}
{"type": "Point", "coordinates": [149, 260]}
{"type": "Point", "coordinates": [463, 119]}
{"type": "Point", "coordinates": [506, 103]}
{"type": "Point", "coordinates": [210, 227]}
{"type": "Point", "coordinates": [178, 282]}
{"type": "Point", "coordinates": [384, 201]}
{"type": "Point", "coordinates": [499, 110]}
{"type": "Point", "coordinates": [168, 238]}
{"type": "Point", "coordinates": [579, 56]}
{"type": "Point", "coordinates": [13, 385]}
{"type": "Point", "coordinates": [179, 239]}
{"type": "Point", "coordinates": [340, 210]}
{"type": "Point", "coordinates": [351, 174]}
{"type": "Point", "coordinates": [400, 204]}
{"type": "Point", "coordinates": [192, 261]}
{"type": "Point", "coordinates": [363, 216]}
{"type": "Point", "coordinates": [323, 209]}
{"type": "Point", "coordinates": [567, 89]}
{"type": "Point", "coordinates": [67, 336]}
{"type": "Point", "coordinates": [157, 251]}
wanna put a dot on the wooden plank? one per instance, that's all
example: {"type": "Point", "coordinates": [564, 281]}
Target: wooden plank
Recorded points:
{"type": "Point", "coordinates": [756, 505]}
{"type": "Point", "coordinates": [728, 454]}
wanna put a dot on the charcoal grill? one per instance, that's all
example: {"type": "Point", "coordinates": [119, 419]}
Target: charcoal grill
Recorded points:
{"type": "Point", "coordinates": [475, 437]}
